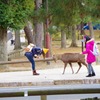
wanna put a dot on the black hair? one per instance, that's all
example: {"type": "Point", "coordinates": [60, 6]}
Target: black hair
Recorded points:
{"type": "Point", "coordinates": [87, 38]}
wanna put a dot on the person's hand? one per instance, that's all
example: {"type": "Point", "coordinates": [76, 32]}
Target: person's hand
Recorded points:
{"type": "Point", "coordinates": [36, 56]}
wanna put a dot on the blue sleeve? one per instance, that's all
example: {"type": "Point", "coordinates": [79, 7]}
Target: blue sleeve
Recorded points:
{"type": "Point", "coordinates": [37, 51]}
{"type": "Point", "coordinates": [33, 51]}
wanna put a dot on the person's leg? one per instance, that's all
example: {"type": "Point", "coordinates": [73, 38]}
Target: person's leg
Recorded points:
{"type": "Point", "coordinates": [30, 58]}
{"type": "Point", "coordinates": [89, 70]}
{"type": "Point", "coordinates": [92, 71]}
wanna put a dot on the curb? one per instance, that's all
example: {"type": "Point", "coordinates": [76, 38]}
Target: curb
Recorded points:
{"type": "Point", "coordinates": [50, 83]}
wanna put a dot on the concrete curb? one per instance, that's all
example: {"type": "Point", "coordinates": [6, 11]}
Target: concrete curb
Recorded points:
{"type": "Point", "coordinates": [50, 83]}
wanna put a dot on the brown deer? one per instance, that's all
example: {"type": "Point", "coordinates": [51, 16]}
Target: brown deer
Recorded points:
{"type": "Point", "coordinates": [69, 58]}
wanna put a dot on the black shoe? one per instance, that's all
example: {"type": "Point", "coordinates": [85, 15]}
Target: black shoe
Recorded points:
{"type": "Point", "coordinates": [93, 74]}
{"type": "Point", "coordinates": [89, 75]}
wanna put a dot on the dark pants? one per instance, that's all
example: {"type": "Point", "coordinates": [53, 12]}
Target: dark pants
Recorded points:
{"type": "Point", "coordinates": [30, 58]}
{"type": "Point", "coordinates": [90, 69]}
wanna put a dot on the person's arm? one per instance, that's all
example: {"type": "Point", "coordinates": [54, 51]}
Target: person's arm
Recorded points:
{"type": "Point", "coordinates": [87, 50]}
{"type": "Point", "coordinates": [26, 49]}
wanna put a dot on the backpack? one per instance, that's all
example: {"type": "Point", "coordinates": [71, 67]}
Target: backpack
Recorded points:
{"type": "Point", "coordinates": [95, 50]}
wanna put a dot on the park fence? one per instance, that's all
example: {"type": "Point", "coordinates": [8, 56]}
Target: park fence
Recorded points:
{"type": "Point", "coordinates": [50, 90]}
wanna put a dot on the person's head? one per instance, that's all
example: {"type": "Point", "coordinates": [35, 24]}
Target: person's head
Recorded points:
{"type": "Point", "coordinates": [87, 38]}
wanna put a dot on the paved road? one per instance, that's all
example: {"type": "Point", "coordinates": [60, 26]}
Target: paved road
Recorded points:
{"type": "Point", "coordinates": [49, 77]}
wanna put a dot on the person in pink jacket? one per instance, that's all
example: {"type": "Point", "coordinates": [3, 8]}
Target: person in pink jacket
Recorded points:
{"type": "Point", "coordinates": [90, 57]}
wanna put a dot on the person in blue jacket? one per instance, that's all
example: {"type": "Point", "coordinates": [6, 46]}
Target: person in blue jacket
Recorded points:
{"type": "Point", "coordinates": [33, 52]}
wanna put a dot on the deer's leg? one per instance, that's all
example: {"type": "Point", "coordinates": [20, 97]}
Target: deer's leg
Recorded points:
{"type": "Point", "coordinates": [79, 67]}
{"type": "Point", "coordinates": [71, 68]}
{"type": "Point", "coordinates": [65, 64]}
{"type": "Point", "coordinates": [84, 63]}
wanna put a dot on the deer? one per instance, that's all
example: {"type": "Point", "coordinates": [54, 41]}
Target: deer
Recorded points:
{"type": "Point", "coordinates": [69, 58]}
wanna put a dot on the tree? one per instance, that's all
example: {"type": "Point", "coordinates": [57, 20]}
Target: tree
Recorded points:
{"type": "Point", "coordinates": [28, 33]}
{"type": "Point", "coordinates": [95, 13]}
{"type": "Point", "coordinates": [95, 16]}
{"type": "Point", "coordinates": [17, 40]}
{"type": "Point", "coordinates": [89, 14]}
{"type": "Point", "coordinates": [73, 44]}
{"type": "Point", "coordinates": [72, 12]}
{"type": "Point", "coordinates": [38, 25]}
{"type": "Point", "coordinates": [63, 39]}
{"type": "Point", "coordinates": [65, 13]}
{"type": "Point", "coordinates": [13, 14]}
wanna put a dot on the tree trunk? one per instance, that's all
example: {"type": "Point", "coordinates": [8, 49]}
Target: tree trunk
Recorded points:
{"type": "Point", "coordinates": [91, 29]}
{"type": "Point", "coordinates": [3, 48]}
{"type": "Point", "coordinates": [39, 34]}
{"type": "Point", "coordinates": [81, 28]}
{"type": "Point", "coordinates": [63, 39]}
{"type": "Point", "coordinates": [3, 44]}
{"type": "Point", "coordinates": [28, 33]}
{"type": "Point", "coordinates": [73, 44]}
{"type": "Point", "coordinates": [17, 40]}
{"type": "Point", "coordinates": [38, 27]}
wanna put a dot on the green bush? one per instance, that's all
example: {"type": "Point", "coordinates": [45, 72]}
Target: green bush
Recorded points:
{"type": "Point", "coordinates": [95, 98]}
